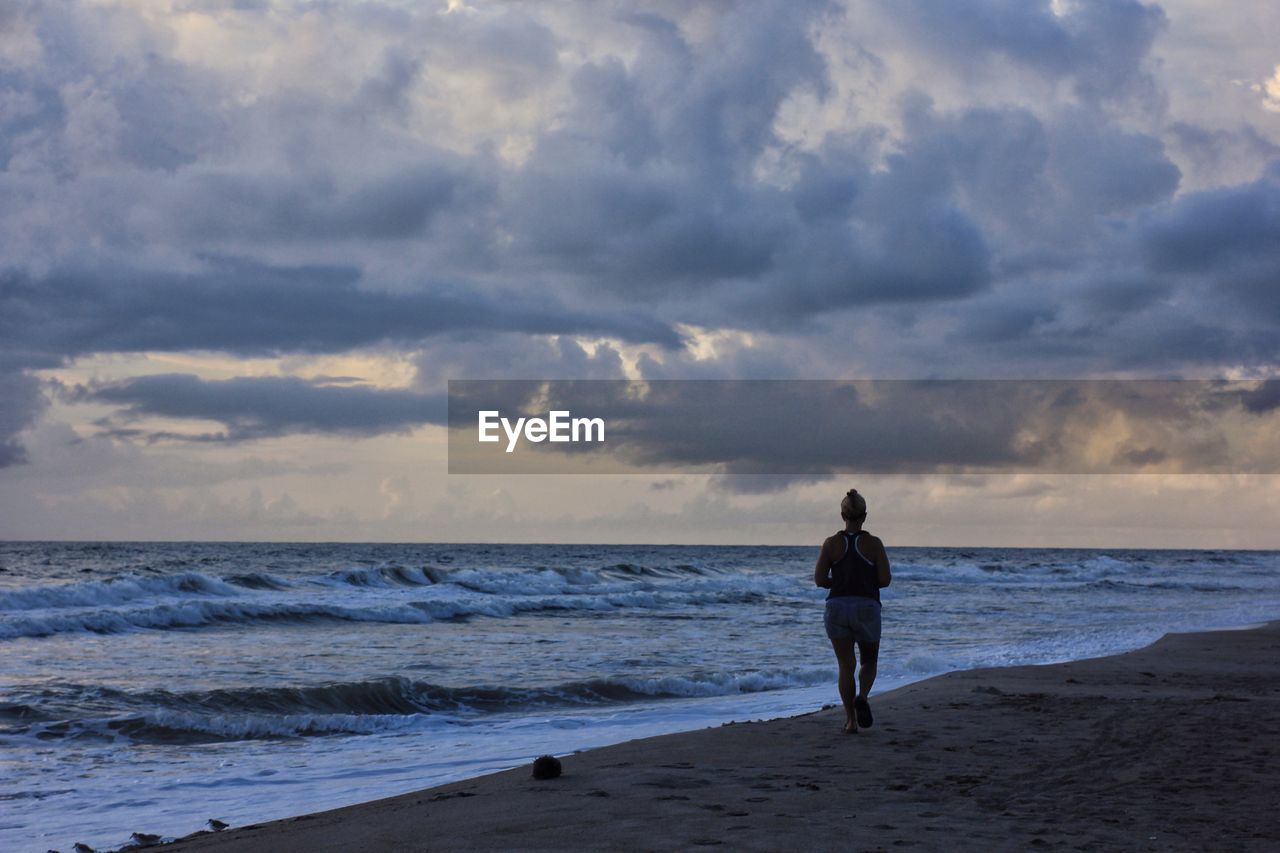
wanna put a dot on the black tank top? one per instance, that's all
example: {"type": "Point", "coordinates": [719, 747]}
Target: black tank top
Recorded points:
{"type": "Point", "coordinates": [852, 574]}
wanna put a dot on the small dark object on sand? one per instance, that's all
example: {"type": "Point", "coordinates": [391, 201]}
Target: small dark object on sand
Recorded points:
{"type": "Point", "coordinates": [217, 825]}
{"type": "Point", "coordinates": [145, 839]}
{"type": "Point", "coordinates": [546, 767]}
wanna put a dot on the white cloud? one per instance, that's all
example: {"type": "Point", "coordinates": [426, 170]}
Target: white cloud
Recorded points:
{"type": "Point", "coordinates": [1270, 89]}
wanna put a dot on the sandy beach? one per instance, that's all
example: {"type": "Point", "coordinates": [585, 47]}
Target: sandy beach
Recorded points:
{"type": "Point", "coordinates": [1169, 747]}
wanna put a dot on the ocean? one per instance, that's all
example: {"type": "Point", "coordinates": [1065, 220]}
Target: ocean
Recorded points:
{"type": "Point", "coordinates": [150, 687]}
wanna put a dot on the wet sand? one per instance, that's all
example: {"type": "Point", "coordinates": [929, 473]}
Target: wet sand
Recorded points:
{"type": "Point", "coordinates": [1174, 746]}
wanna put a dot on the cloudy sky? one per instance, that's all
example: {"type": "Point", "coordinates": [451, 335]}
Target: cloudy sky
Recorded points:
{"type": "Point", "coordinates": [244, 244]}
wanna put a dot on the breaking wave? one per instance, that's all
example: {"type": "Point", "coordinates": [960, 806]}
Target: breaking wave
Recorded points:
{"type": "Point", "coordinates": [214, 612]}
{"type": "Point", "coordinates": [114, 591]}
{"type": "Point", "coordinates": [362, 707]}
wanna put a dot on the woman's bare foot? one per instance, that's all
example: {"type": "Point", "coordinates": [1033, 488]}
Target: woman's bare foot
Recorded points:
{"type": "Point", "coordinates": [862, 711]}
{"type": "Point", "coordinates": [851, 726]}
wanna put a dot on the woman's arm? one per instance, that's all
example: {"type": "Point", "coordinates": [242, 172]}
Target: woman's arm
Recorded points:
{"type": "Point", "coordinates": [822, 571]}
{"type": "Point", "coordinates": [884, 575]}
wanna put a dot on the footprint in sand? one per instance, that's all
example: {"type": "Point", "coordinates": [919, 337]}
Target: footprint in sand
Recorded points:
{"type": "Point", "coordinates": [675, 782]}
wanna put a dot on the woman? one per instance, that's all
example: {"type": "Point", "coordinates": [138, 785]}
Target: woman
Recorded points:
{"type": "Point", "coordinates": [855, 567]}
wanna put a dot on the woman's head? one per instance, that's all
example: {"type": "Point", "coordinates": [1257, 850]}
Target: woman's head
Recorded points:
{"type": "Point", "coordinates": [853, 507]}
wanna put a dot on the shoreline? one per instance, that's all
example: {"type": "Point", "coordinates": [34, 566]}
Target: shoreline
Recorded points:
{"type": "Point", "coordinates": [1163, 747]}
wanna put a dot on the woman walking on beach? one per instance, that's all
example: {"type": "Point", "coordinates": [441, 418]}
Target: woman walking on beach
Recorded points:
{"type": "Point", "coordinates": [854, 566]}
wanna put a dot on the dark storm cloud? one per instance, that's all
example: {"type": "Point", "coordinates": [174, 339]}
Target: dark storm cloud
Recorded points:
{"type": "Point", "coordinates": [250, 309]}
{"type": "Point", "coordinates": [107, 62]}
{"type": "Point", "coordinates": [1210, 150]}
{"type": "Point", "coordinates": [1224, 245]}
{"type": "Point", "coordinates": [261, 407]}
{"type": "Point", "coordinates": [1045, 182]}
{"type": "Point", "coordinates": [1098, 45]}
{"type": "Point", "coordinates": [1230, 237]}
{"type": "Point", "coordinates": [1218, 229]}
{"type": "Point", "coordinates": [712, 103]}
{"type": "Point", "coordinates": [638, 235]}
{"type": "Point", "coordinates": [645, 188]}
{"type": "Point", "coordinates": [513, 354]}
{"type": "Point", "coordinates": [21, 404]}
{"type": "Point", "coordinates": [266, 207]}
{"type": "Point", "coordinates": [646, 184]}
{"type": "Point", "coordinates": [1109, 170]}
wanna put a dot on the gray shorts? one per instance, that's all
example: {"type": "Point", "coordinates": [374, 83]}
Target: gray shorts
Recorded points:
{"type": "Point", "coordinates": [852, 617]}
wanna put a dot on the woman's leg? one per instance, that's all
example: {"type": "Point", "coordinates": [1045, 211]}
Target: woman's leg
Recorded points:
{"type": "Point", "coordinates": [867, 675]}
{"type": "Point", "coordinates": [848, 693]}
